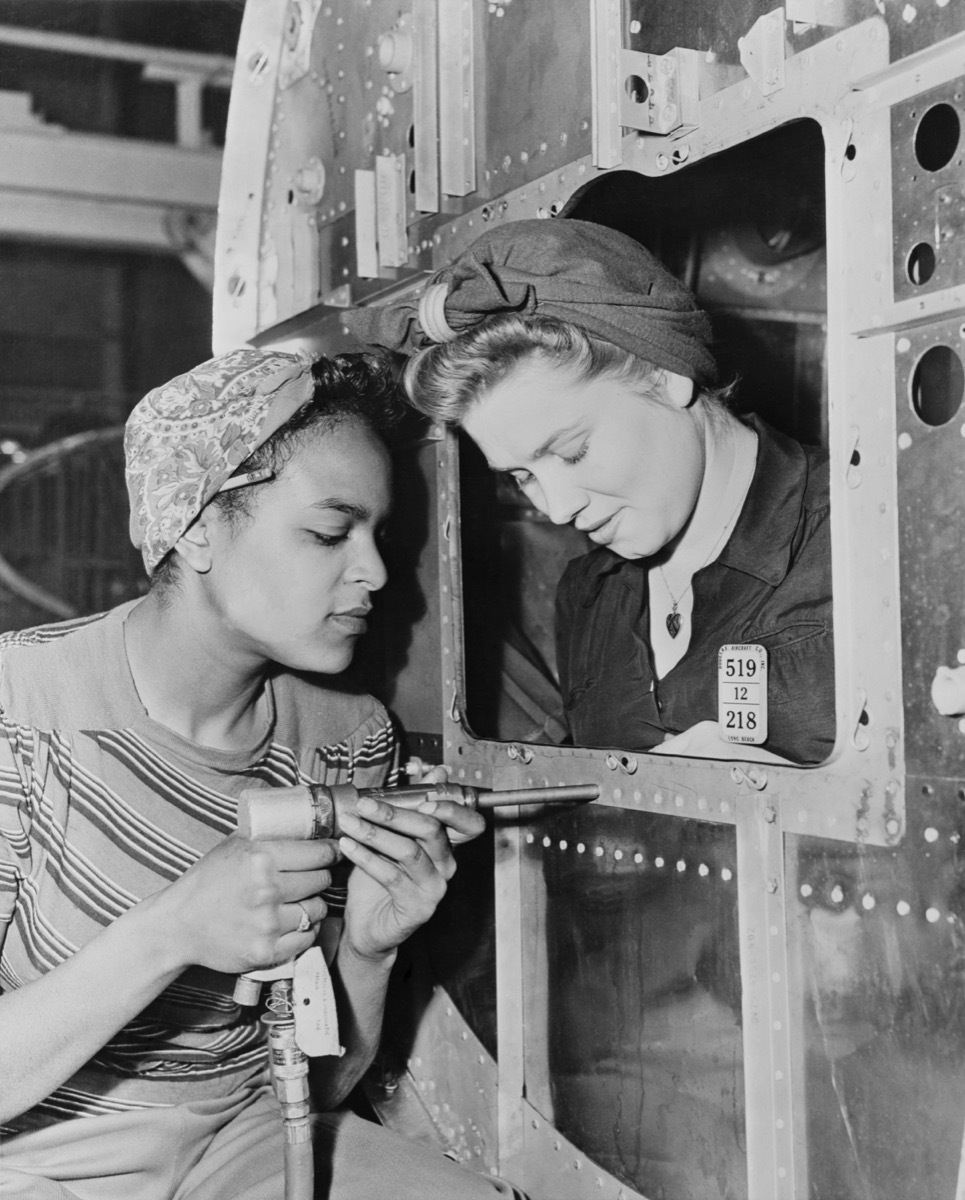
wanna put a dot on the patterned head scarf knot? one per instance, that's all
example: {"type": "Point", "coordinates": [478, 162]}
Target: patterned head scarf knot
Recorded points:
{"type": "Point", "coordinates": [184, 439]}
{"type": "Point", "coordinates": [592, 276]}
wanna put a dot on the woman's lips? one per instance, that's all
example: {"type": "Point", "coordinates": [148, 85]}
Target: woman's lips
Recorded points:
{"type": "Point", "coordinates": [603, 533]}
{"type": "Point", "coordinates": [353, 620]}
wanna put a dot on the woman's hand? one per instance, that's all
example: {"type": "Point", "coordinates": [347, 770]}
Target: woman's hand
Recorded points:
{"type": "Point", "coordinates": [234, 910]}
{"type": "Point", "coordinates": [703, 740]}
{"type": "Point", "coordinates": [403, 861]}
{"type": "Point", "coordinates": [238, 907]}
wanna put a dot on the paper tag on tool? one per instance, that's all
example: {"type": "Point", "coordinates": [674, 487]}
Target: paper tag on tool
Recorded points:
{"type": "Point", "coordinates": [316, 1018]}
{"type": "Point", "coordinates": [742, 693]}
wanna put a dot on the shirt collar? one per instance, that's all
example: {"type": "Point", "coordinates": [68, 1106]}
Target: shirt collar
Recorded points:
{"type": "Point", "coordinates": [762, 539]}
{"type": "Point", "coordinates": [761, 542]}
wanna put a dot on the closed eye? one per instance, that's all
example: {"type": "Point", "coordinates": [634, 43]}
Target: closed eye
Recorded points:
{"type": "Point", "coordinates": [572, 459]}
{"type": "Point", "coordinates": [328, 539]}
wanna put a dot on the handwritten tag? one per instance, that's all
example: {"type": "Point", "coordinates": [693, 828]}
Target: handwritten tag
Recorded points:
{"type": "Point", "coordinates": [316, 1018]}
{"type": "Point", "coordinates": [742, 693]}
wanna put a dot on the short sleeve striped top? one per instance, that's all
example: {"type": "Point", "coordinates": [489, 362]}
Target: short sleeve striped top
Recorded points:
{"type": "Point", "coordinates": [100, 807]}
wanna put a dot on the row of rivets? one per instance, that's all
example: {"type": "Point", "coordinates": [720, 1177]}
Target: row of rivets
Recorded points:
{"type": "Point", "coordinates": [869, 902]}
{"type": "Point", "coordinates": [681, 865]}
{"type": "Point", "coordinates": [578, 1164]}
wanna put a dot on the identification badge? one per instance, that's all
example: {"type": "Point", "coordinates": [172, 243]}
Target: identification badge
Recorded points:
{"type": "Point", "coordinates": [742, 694]}
{"type": "Point", "coordinates": [316, 1019]}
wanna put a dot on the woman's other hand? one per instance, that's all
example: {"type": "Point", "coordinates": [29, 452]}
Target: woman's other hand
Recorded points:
{"type": "Point", "coordinates": [239, 907]}
{"type": "Point", "coordinates": [403, 862]}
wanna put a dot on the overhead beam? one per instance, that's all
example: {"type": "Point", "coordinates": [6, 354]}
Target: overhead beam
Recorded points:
{"type": "Point", "coordinates": [111, 193]}
{"type": "Point", "coordinates": [78, 221]}
{"type": "Point", "coordinates": [215, 69]}
{"type": "Point", "coordinates": [108, 168]}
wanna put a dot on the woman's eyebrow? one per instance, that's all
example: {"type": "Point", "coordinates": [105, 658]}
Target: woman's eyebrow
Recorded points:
{"type": "Point", "coordinates": [358, 511]}
{"type": "Point", "coordinates": [542, 450]}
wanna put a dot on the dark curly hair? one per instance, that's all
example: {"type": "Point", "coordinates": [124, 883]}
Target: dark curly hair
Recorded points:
{"type": "Point", "coordinates": [348, 387]}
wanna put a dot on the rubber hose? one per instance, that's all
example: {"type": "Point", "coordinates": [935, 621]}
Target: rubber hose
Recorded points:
{"type": "Point", "coordinates": [299, 1171]}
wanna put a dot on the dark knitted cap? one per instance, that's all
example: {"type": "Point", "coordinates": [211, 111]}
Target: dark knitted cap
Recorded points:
{"type": "Point", "coordinates": [587, 274]}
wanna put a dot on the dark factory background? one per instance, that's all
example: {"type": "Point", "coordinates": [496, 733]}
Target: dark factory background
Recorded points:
{"type": "Point", "coordinates": [103, 293]}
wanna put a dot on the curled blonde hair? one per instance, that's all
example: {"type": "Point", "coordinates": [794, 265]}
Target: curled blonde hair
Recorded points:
{"type": "Point", "coordinates": [445, 380]}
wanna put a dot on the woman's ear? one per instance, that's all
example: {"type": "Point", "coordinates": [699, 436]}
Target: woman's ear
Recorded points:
{"type": "Point", "coordinates": [679, 389]}
{"type": "Point", "coordinates": [194, 545]}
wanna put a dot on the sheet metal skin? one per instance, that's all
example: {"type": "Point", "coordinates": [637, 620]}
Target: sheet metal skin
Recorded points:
{"type": "Point", "coordinates": [840, 935]}
{"type": "Point", "coordinates": [716, 26]}
{"type": "Point", "coordinates": [876, 951]}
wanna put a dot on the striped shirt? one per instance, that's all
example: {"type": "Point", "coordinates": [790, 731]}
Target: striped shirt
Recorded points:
{"type": "Point", "coordinates": [100, 807]}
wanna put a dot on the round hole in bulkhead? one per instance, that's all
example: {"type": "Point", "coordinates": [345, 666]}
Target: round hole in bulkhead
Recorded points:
{"type": "Point", "coordinates": [937, 136]}
{"type": "Point", "coordinates": [921, 263]}
{"type": "Point", "coordinates": [637, 90]}
{"type": "Point", "coordinates": [937, 385]}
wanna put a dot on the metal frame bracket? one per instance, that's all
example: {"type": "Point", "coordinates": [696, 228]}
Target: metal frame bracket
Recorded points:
{"type": "Point", "coordinates": [296, 47]}
{"type": "Point", "coordinates": [390, 210]}
{"type": "Point", "coordinates": [660, 93]}
{"type": "Point", "coordinates": [762, 52]}
{"type": "Point", "coordinates": [605, 45]}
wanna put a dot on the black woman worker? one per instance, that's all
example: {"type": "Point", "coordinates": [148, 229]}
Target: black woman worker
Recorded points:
{"type": "Point", "coordinates": [258, 485]}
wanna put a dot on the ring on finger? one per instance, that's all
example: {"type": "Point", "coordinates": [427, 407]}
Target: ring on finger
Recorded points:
{"type": "Point", "coordinates": [304, 921]}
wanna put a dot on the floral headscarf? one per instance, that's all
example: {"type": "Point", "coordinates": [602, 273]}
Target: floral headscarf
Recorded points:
{"type": "Point", "coordinates": [184, 439]}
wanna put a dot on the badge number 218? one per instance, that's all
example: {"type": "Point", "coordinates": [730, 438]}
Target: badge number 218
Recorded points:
{"type": "Point", "coordinates": [742, 694]}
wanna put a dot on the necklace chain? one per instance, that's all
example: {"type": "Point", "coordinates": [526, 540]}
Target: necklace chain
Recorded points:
{"type": "Point", "coordinates": [674, 619]}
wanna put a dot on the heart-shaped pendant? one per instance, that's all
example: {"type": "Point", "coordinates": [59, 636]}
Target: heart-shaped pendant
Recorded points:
{"type": "Point", "coordinates": [673, 623]}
